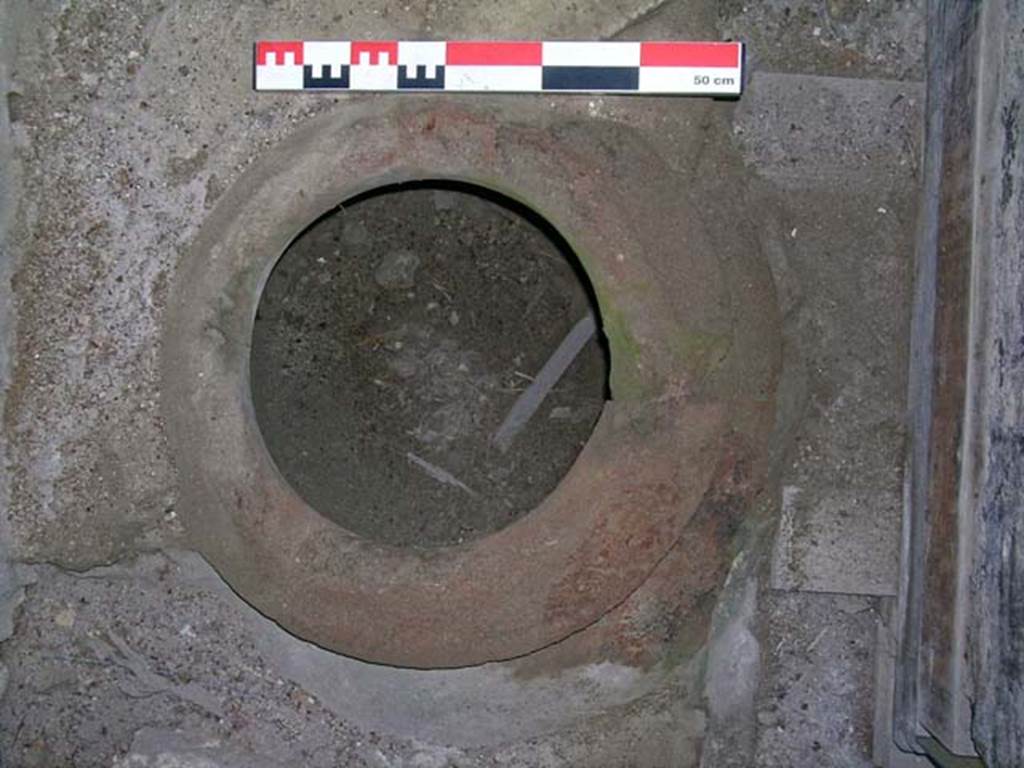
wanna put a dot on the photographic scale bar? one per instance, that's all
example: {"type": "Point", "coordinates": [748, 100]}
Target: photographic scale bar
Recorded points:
{"type": "Point", "coordinates": [662, 67]}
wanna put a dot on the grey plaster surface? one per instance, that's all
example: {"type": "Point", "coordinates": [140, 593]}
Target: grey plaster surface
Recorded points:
{"type": "Point", "coordinates": [11, 592]}
{"type": "Point", "coordinates": [156, 748]}
{"type": "Point", "coordinates": [162, 643]}
{"type": "Point", "coordinates": [881, 39]}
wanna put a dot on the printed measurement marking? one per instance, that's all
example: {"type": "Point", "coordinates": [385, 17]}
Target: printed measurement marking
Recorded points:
{"type": "Point", "coordinates": [682, 68]}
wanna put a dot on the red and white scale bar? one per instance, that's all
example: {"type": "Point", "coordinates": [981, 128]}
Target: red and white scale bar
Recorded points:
{"type": "Point", "coordinates": [707, 69]}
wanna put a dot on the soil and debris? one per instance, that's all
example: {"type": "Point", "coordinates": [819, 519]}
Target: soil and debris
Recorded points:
{"type": "Point", "coordinates": [392, 341]}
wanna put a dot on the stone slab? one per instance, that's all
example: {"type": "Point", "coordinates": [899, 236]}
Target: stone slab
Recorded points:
{"type": "Point", "coordinates": [843, 541]}
{"type": "Point", "coordinates": [815, 702]}
{"type": "Point", "coordinates": [836, 163]}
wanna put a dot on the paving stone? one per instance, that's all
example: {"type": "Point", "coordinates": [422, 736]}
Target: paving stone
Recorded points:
{"type": "Point", "coordinates": [839, 158]}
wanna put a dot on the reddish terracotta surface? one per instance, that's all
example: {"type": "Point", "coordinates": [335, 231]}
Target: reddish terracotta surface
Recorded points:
{"type": "Point", "coordinates": [623, 510]}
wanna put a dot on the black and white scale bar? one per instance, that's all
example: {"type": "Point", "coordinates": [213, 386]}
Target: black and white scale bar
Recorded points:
{"type": "Point", "coordinates": [710, 69]}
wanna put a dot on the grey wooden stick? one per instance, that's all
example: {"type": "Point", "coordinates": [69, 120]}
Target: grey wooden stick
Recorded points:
{"type": "Point", "coordinates": [439, 474]}
{"type": "Point", "coordinates": [556, 366]}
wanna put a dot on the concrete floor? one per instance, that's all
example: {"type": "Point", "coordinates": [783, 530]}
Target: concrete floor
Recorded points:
{"type": "Point", "coordinates": [126, 121]}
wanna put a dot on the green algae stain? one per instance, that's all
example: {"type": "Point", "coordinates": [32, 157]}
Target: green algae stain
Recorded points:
{"type": "Point", "coordinates": [699, 351]}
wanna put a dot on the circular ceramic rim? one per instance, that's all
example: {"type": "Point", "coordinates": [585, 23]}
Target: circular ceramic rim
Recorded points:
{"type": "Point", "coordinates": [556, 570]}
